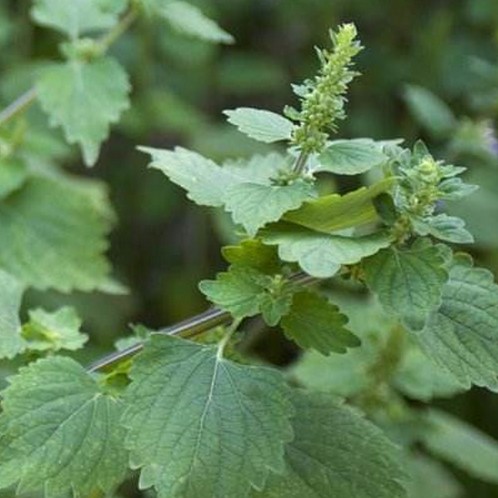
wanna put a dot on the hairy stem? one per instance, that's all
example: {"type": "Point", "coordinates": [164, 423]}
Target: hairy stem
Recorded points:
{"type": "Point", "coordinates": [18, 106]}
{"type": "Point", "coordinates": [301, 162]}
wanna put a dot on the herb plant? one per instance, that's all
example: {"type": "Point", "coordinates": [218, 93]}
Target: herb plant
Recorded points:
{"type": "Point", "coordinates": [186, 408]}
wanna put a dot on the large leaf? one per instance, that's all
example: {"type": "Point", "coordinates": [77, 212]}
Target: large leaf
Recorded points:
{"type": "Point", "coordinates": [200, 425]}
{"type": "Point", "coordinates": [62, 430]}
{"type": "Point", "coordinates": [77, 16]}
{"type": "Point", "coordinates": [320, 254]}
{"type": "Point", "coordinates": [84, 98]}
{"type": "Point", "coordinates": [207, 183]}
{"type": "Point", "coordinates": [462, 335]}
{"type": "Point", "coordinates": [336, 212]}
{"type": "Point", "coordinates": [53, 234]}
{"type": "Point", "coordinates": [350, 157]}
{"type": "Point", "coordinates": [253, 205]}
{"type": "Point", "coordinates": [461, 444]}
{"type": "Point", "coordinates": [314, 322]}
{"type": "Point", "coordinates": [188, 19]}
{"type": "Point", "coordinates": [11, 291]}
{"type": "Point", "coordinates": [336, 453]}
{"type": "Point", "coordinates": [408, 282]}
{"type": "Point", "coordinates": [261, 125]}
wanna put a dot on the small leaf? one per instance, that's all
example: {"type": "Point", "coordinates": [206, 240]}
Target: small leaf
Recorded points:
{"type": "Point", "coordinates": [314, 322]}
{"type": "Point", "coordinates": [320, 254]}
{"type": "Point", "coordinates": [265, 126]}
{"type": "Point", "coordinates": [462, 335]}
{"type": "Point", "coordinates": [189, 20]}
{"type": "Point", "coordinates": [444, 227]}
{"type": "Point", "coordinates": [334, 212]}
{"type": "Point", "coordinates": [53, 331]}
{"type": "Point", "coordinates": [244, 292]}
{"type": "Point", "coordinates": [11, 291]}
{"type": "Point", "coordinates": [253, 254]}
{"type": "Point", "coordinates": [13, 175]}
{"type": "Point", "coordinates": [77, 17]}
{"type": "Point", "coordinates": [461, 444]}
{"type": "Point", "coordinates": [336, 453]}
{"type": "Point", "coordinates": [253, 205]}
{"type": "Point", "coordinates": [62, 430]}
{"type": "Point", "coordinates": [201, 425]}
{"type": "Point", "coordinates": [84, 98]}
{"type": "Point", "coordinates": [430, 111]}
{"type": "Point", "coordinates": [350, 157]}
{"type": "Point", "coordinates": [408, 282]}
{"type": "Point", "coordinates": [53, 234]}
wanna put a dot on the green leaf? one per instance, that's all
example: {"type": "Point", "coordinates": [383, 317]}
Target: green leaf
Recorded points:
{"type": "Point", "coordinates": [429, 110]}
{"type": "Point", "coordinates": [189, 20]}
{"type": "Point", "coordinates": [253, 205]}
{"type": "Point", "coordinates": [444, 227]}
{"type": "Point", "coordinates": [77, 17]}
{"type": "Point", "coordinates": [13, 175]}
{"type": "Point", "coordinates": [336, 212]}
{"type": "Point", "coordinates": [53, 234]}
{"type": "Point", "coordinates": [253, 254]}
{"type": "Point", "coordinates": [350, 157]}
{"type": "Point", "coordinates": [462, 335]}
{"type": "Point", "coordinates": [11, 291]}
{"type": "Point", "coordinates": [201, 425]}
{"type": "Point", "coordinates": [246, 292]}
{"type": "Point", "coordinates": [336, 453]}
{"type": "Point", "coordinates": [430, 478]}
{"type": "Point", "coordinates": [265, 126]}
{"type": "Point", "coordinates": [408, 282]}
{"type": "Point", "coordinates": [84, 98]}
{"type": "Point", "coordinates": [319, 254]}
{"type": "Point", "coordinates": [63, 430]}
{"type": "Point", "coordinates": [314, 322]}
{"type": "Point", "coordinates": [461, 444]}
{"type": "Point", "coordinates": [206, 183]}
{"type": "Point", "coordinates": [419, 378]}
{"type": "Point", "coordinates": [47, 331]}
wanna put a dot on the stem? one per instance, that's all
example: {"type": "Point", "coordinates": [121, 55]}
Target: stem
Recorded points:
{"type": "Point", "coordinates": [301, 162]}
{"type": "Point", "coordinates": [18, 106]}
{"type": "Point", "coordinates": [26, 99]}
{"type": "Point", "coordinates": [190, 327]}
{"type": "Point", "coordinates": [226, 338]}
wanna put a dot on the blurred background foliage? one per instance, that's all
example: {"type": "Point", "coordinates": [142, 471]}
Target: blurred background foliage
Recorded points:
{"type": "Point", "coordinates": [430, 70]}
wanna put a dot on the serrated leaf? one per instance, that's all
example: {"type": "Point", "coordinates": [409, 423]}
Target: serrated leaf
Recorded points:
{"type": "Point", "coordinates": [76, 17]}
{"type": "Point", "coordinates": [462, 335]}
{"type": "Point", "coordinates": [408, 282]}
{"type": "Point", "coordinates": [13, 174]}
{"type": "Point", "coordinates": [201, 425]}
{"type": "Point", "coordinates": [350, 157]}
{"type": "Point", "coordinates": [84, 99]}
{"type": "Point", "coordinates": [244, 292]}
{"type": "Point", "coordinates": [253, 205]}
{"type": "Point", "coordinates": [206, 183]}
{"type": "Point", "coordinates": [314, 322]}
{"type": "Point", "coordinates": [188, 19]}
{"type": "Point", "coordinates": [52, 331]}
{"type": "Point", "coordinates": [319, 254]}
{"type": "Point", "coordinates": [459, 443]}
{"type": "Point", "coordinates": [253, 254]}
{"type": "Point", "coordinates": [444, 227]}
{"type": "Point", "coordinates": [265, 126]}
{"type": "Point", "coordinates": [429, 110]}
{"type": "Point", "coordinates": [334, 212]}
{"type": "Point", "coordinates": [11, 291]}
{"type": "Point", "coordinates": [53, 234]}
{"type": "Point", "coordinates": [63, 430]}
{"type": "Point", "coordinates": [336, 453]}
